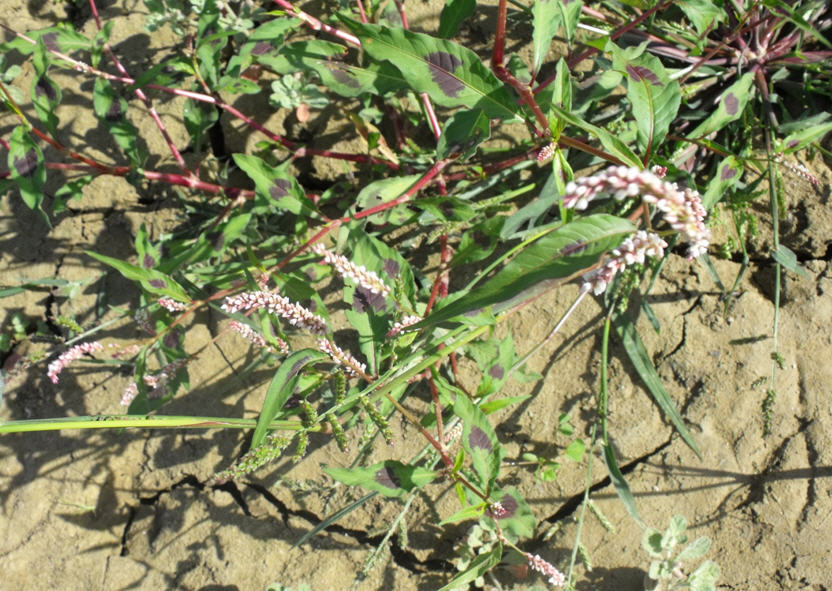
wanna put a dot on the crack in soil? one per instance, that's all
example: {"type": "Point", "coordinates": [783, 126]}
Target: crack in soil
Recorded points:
{"type": "Point", "coordinates": [402, 556]}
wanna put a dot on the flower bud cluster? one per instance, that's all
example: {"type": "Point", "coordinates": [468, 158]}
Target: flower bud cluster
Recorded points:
{"type": "Point", "coordinates": [73, 354]}
{"type": "Point", "coordinates": [349, 270]}
{"type": "Point", "coordinates": [556, 577]}
{"type": "Point", "coordinates": [295, 314]}
{"type": "Point", "coordinates": [341, 357]}
{"type": "Point", "coordinates": [158, 383]}
{"type": "Point", "coordinates": [402, 324]}
{"type": "Point", "coordinates": [172, 305]}
{"type": "Point", "coordinates": [633, 250]}
{"type": "Point", "coordinates": [682, 209]}
{"type": "Point", "coordinates": [256, 339]}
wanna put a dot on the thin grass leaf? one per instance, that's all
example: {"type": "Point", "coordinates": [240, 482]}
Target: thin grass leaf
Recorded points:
{"type": "Point", "coordinates": [620, 484]}
{"type": "Point", "coordinates": [788, 259]}
{"type": "Point", "coordinates": [327, 521]}
{"type": "Point", "coordinates": [281, 388]}
{"type": "Point", "coordinates": [641, 361]}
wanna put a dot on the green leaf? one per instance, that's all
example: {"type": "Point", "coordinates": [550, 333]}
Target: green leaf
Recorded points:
{"type": "Point", "coordinates": [470, 512]}
{"type": "Point", "coordinates": [111, 110]}
{"type": "Point", "coordinates": [383, 191]}
{"type": "Point", "coordinates": [479, 566]}
{"type": "Point", "coordinates": [788, 259]}
{"type": "Point", "coordinates": [275, 185]}
{"type": "Point", "coordinates": [654, 97]}
{"type": "Point", "coordinates": [547, 17]}
{"type": "Point", "coordinates": [696, 549]}
{"type": "Point", "coordinates": [611, 143]}
{"type": "Point", "coordinates": [453, 13]}
{"type": "Point", "coordinates": [730, 108]}
{"type": "Point", "coordinates": [462, 133]}
{"type": "Point", "coordinates": [480, 441]}
{"type": "Point", "coordinates": [452, 75]}
{"type": "Point", "coordinates": [281, 388]}
{"type": "Point", "coordinates": [26, 168]}
{"type": "Point", "coordinates": [61, 38]}
{"type": "Point", "coordinates": [800, 139]}
{"type": "Point", "coordinates": [263, 40]}
{"type": "Point", "coordinates": [620, 484]}
{"type": "Point", "coordinates": [199, 117]}
{"type": "Point", "coordinates": [495, 405]}
{"type": "Point", "coordinates": [704, 578]}
{"type": "Point", "coordinates": [46, 94]}
{"type": "Point", "coordinates": [652, 543]}
{"type": "Point", "coordinates": [556, 255]}
{"type": "Point", "coordinates": [151, 280]}
{"type": "Point", "coordinates": [575, 450]}
{"type": "Point", "coordinates": [727, 176]}
{"type": "Point", "coordinates": [702, 13]}
{"type": "Point", "coordinates": [390, 478]}
{"type": "Point", "coordinates": [641, 360]}
{"type": "Point", "coordinates": [70, 190]}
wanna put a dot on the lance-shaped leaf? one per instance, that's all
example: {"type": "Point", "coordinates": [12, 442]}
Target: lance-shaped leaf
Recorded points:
{"type": "Point", "coordinates": [61, 38]}
{"type": "Point", "coordinates": [654, 97]}
{"type": "Point", "coordinates": [547, 17]}
{"type": "Point", "coordinates": [727, 176]}
{"type": "Point", "coordinates": [452, 75]}
{"type": "Point", "coordinates": [275, 184]}
{"type": "Point", "coordinates": [563, 252]}
{"type": "Point", "coordinates": [480, 441]}
{"type": "Point", "coordinates": [453, 13]}
{"type": "Point", "coordinates": [280, 389]}
{"type": "Point", "coordinates": [263, 40]}
{"type": "Point", "coordinates": [390, 478]}
{"type": "Point", "coordinates": [479, 566]}
{"type": "Point", "coordinates": [462, 133]}
{"type": "Point", "coordinates": [151, 280]}
{"type": "Point", "coordinates": [25, 161]}
{"type": "Point", "coordinates": [111, 110]}
{"type": "Point", "coordinates": [380, 192]}
{"type": "Point", "coordinates": [611, 143]}
{"type": "Point", "coordinates": [327, 60]}
{"type": "Point", "coordinates": [730, 107]}
{"type": "Point", "coordinates": [801, 138]}
{"type": "Point", "coordinates": [46, 94]}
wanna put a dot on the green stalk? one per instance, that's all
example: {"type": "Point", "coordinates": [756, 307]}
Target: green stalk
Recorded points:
{"type": "Point", "coordinates": [140, 422]}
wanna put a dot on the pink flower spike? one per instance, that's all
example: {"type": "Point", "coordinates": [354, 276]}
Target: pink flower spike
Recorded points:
{"type": "Point", "coordinates": [295, 314]}
{"type": "Point", "coordinates": [556, 577]}
{"type": "Point", "coordinates": [341, 357]}
{"type": "Point", "coordinates": [56, 367]}
{"type": "Point", "coordinates": [402, 324]}
{"type": "Point", "coordinates": [172, 305]}
{"type": "Point", "coordinates": [633, 250]}
{"type": "Point", "coordinates": [349, 270]}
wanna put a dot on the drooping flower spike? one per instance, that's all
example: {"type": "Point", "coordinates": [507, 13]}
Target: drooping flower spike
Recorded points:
{"type": "Point", "coordinates": [293, 313]}
{"type": "Point", "coordinates": [349, 270]}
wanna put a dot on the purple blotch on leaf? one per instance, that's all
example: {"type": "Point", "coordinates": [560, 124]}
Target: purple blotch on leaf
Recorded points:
{"type": "Point", "coordinates": [261, 47]}
{"type": "Point", "coordinates": [158, 283]}
{"type": "Point", "coordinates": [792, 144]}
{"type": "Point", "coordinates": [497, 372]}
{"type": "Point", "coordinates": [639, 73]}
{"type": "Point", "coordinates": [280, 188]}
{"type": "Point", "coordinates": [478, 438]}
{"type": "Point", "coordinates": [363, 300]}
{"type": "Point", "coordinates": [731, 103]}
{"type": "Point", "coordinates": [50, 40]}
{"type": "Point", "coordinates": [148, 262]}
{"type": "Point", "coordinates": [27, 165]}
{"type": "Point", "coordinates": [217, 240]}
{"type": "Point", "coordinates": [509, 504]}
{"type": "Point", "coordinates": [44, 88]}
{"type": "Point", "coordinates": [574, 248]}
{"type": "Point", "coordinates": [342, 76]}
{"type": "Point", "coordinates": [387, 477]}
{"type": "Point", "coordinates": [391, 267]}
{"type": "Point", "coordinates": [114, 113]}
{"type": "Point", "coordinates": [442, 66]}
{"type": "Point", "coordinates": [728, 173]}
{"type": "Point", "coordinates": [171, 339]}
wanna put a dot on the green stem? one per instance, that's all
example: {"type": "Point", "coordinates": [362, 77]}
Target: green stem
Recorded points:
{"type": "Point", "coordinates": [140, 422]}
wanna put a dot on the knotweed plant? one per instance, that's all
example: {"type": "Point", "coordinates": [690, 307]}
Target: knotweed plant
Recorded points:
{"type": "Point", "coordinates": [325, 280]}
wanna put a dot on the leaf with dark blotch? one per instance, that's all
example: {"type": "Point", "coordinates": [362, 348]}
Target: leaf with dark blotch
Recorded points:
{"type": "Point", "coordinates": [280, 188]}
{"type": "Point", "coordinates": [477, 438]}
{"type": "Point", "coordinates": [261, 48]}
{"type": "Point", "coordinates": [26, 165]}
{"type": "Point", "coordinates": [342, 75]}
{"type": "Point", "coordinates": [442, 67]}
{"type": "Point", "coordinates": [639, 73]}
{"type": "Point", "coordinates": [727, 173]}
{"type": "Point", "coordinates": [386, 477]}
{"type": "Point", "coordinates": [43, 88]}
{"type": "Point", "coordinates": [731, 103]}
{"type": "Point", "coordinates": [576, 247]}
{"type": "Point", "coordinates": [452, 75]}
{"type": "Point", "coordinates": [497, 372]}
{"type": "Point", "coordinates": [217, 240]}
{"type": "Point", "coordinates": [149, 262]}
{"type": "Point", "coordinates": [50, 40]}
{"type": "Point", "coordinates": [509, 505]}
{"type": "Point", "coordinates": [114, 113]}
{"type": "Point", "coordinates": [391, 267]}
{"type": "Point", "coordinates": [157, 283]}
{"type": "Point", "coordinates": [364, 300]}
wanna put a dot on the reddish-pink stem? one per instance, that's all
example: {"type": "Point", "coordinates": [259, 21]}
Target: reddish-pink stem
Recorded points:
{"type": "Point", "coordinates": [316, 24]}
{"type": "Point", "coordinates": [498, 53]}
{"type": "Point", "coordinates": [361, 13]}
